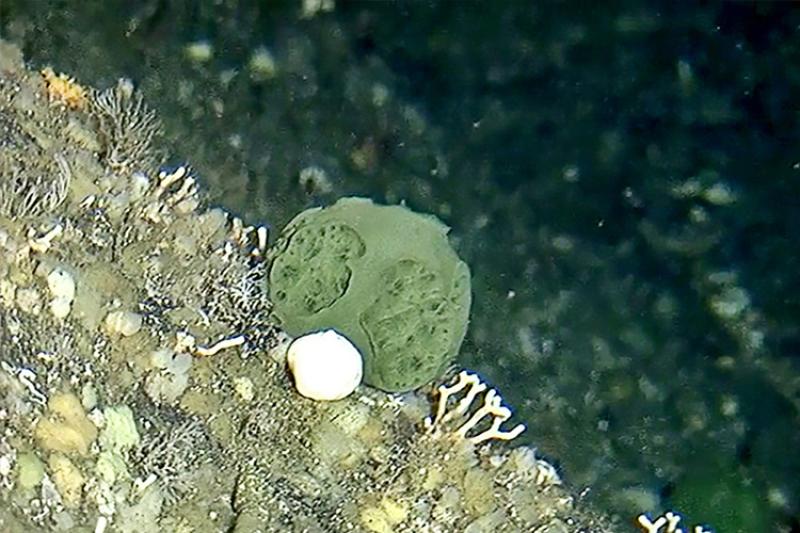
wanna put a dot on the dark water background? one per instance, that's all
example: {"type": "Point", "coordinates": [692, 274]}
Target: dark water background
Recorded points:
{"type": "Point", "coordinates": [622, 178]}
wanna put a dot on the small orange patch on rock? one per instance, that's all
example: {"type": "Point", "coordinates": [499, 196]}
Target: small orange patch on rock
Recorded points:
{"type": "Point", "coordinates": [64, 89]}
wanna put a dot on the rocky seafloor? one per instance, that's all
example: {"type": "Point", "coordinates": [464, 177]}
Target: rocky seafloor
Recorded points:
{"type": "Point", "coordinates": [142, 380]}
{"type": "Point", "coordinates": [621, 179]}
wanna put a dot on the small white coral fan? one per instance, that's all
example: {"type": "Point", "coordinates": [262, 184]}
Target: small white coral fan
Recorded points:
{"type": "Point", "coordinates": [325, 365]}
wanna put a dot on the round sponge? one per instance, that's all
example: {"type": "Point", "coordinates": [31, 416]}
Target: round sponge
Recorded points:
{"type": "Point", "coordinates": [383, 276]}
{"type": "Point", "coordinates": [325, 365]}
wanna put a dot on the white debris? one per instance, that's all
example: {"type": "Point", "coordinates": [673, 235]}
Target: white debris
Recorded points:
{"type": "Point", "coordinates": [315, 180]}
{"type": "Point", "coordinates": [62, 288]}
{"type": "Point", "coordinates": [6, 464]}
{"type": "Point", "coordinates": [720, 194]}
{"type": "Point", "coordinates": [42, 243]}
{"type": "Point", "coordinates": [245, 388]}
{"type": "Point", "coordinates": [125, 323]}
{"type": "Point", "coordinates": [220, 345]}
{"type": "Point", "coordinates": [169, 377]}
{"type": "Point", "coordinates": [102, 523]}
{"type": "Point", "coordinates": [29, 300]}
{"type": "Point", "coordinates": [199, 51]}
{"type": "Point", "coordinates": [312, 8]}
{"type": "Point", "coordinates": [262, 65]}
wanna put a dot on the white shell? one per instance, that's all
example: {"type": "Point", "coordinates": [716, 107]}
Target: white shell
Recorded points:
{"type": "Point", "coordinates": [325, 365]}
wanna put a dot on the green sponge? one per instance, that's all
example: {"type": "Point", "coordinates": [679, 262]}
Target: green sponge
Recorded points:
{"type": "Point", "coordinates": [383, 276]}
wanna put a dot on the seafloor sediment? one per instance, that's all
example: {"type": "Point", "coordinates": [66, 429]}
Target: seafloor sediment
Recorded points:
{"type": "Point", "coordinates": [142, 380]}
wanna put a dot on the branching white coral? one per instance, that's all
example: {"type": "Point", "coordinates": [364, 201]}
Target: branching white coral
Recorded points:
{"type": "Point", "coordinates": [666, 523]}
{"type": "Point", "coordinates": [251, 238]}
{"type": "Point", "coordinates": [168, 195]}
{"type": "Point", "coordinates": [492, 409]}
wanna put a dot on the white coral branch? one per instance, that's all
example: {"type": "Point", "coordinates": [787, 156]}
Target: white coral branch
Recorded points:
{"type": "Point", "coordinates": [492, 408]}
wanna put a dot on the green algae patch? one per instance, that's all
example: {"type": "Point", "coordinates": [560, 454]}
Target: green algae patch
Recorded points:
{"type": "Point", "coordinates": [385, 277]}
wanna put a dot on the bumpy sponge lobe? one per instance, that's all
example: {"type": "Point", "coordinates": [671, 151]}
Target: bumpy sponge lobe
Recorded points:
{"type": "Point", "coordinates": [383, 276]}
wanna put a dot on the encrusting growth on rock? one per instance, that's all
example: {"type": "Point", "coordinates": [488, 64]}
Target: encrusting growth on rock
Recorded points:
{"type": "Point", "coordinates": [64, 89]}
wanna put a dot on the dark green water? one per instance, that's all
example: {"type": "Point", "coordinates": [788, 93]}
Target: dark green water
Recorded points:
{"type": "Point", "coordinates": [622, 179]}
